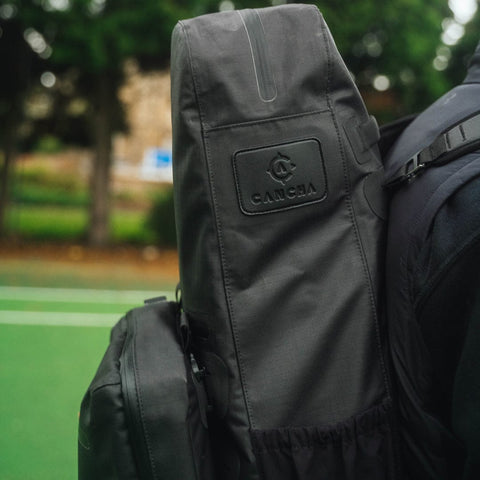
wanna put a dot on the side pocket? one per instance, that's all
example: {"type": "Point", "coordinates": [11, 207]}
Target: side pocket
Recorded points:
{"type": "Point", "coordinates": [104, 449]}
{"type": "Point", "coordinates": [359, 448]}
{"type": "Point", "coordinates": [144, 414]}
{"type": "Point", "coordinates": [164, 398]}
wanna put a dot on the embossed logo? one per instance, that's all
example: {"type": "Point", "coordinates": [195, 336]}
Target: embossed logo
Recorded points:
{"type": "Point", "coordinates": [282, 194]}
{"type": "Point", "coordinates": [281, 168]}
{"type": "Point", "coordinates": [278, 177]}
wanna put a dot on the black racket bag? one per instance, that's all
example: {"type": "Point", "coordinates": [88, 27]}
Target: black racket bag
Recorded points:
{"type": "Point", "coordinates": [280, 222]}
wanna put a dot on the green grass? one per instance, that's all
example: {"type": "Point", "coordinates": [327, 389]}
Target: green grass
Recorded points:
{"type": "Point", "coordinates": [50, 178]}
{"type": "Point", "coordinates": [47, 223]}
{"type": "Point", "coordinates": [55, 223]}
{"type": "Point", "coordinates": [35, 194]}
{"type": "Point", "coordinates": [44, 372]}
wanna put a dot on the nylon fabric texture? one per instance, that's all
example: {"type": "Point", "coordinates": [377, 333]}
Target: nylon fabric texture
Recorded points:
{"type": "Point", "coordinates": [280, 241]}
{"type": "Point", "coordinates": [429, 300]}
{"type": "Point", "coordinates": [141, 416]}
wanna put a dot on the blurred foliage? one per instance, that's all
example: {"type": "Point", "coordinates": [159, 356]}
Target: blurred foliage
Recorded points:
{"type": "Point", "coordinates": [397, 39]}
{"type": "Point", "coordinates": [35, 194]}
{"type": "Point", "coordinates": [462, 52]}
{"type": "Point", "coordinates": [48, 177]}
{"type": "Point", "coordinates": [161, 219]}
{"type": "Point", "coordinates": [85, 39]}
{"type": "Point", "coordinates": [47, 223]}
{"type": "Point", "coordinates": [48, 144]}
{"type": "Point", "coordinates": [60, 224]}
{"type": "Point", "coordinates": [62, 66]}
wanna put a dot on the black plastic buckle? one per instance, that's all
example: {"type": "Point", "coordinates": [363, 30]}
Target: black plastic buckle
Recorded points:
{"type": "Point", "coordinates": [413, 166]}
{"type": "Point", "coordinates": [407, 172]}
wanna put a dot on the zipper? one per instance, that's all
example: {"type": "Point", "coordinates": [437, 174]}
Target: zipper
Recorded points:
{"type": "Point", "coordinates": [267, 89]}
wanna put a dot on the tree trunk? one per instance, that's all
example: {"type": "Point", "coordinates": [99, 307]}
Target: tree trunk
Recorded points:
{"type": "Point", "coordinates": [9, 154]}
{"type": "Point", "coordinates": [99, 228]}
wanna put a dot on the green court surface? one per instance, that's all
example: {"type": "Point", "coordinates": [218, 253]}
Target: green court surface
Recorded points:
{"type": "Point", "coordinates": [47, 359]}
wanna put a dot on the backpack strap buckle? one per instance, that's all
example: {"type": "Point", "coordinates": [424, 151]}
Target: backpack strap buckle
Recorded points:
{"type": "Point", "coordinates": [458, 140]}
{"type": "Point", "coordinates": [407, 171]}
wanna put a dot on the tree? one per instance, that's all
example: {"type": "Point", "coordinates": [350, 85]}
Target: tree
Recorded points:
{"type": "Point", "coordinates": [21, 65]}
{"type": "Point", "coordinates": [460, 53]}
{"type": "Point", "coordinates": [95, 37]}
{"type": "Point", "coordinates": [389, 47]}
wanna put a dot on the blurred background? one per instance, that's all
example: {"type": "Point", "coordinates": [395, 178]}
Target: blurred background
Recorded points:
{"type": "Point", "coordinates": [86, 212]}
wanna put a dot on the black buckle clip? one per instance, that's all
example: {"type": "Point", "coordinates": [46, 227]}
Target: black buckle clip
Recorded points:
{"type": "Point", "coordinates": [413, 167]}
{"type": "Point", "coordinates": [407, 172]}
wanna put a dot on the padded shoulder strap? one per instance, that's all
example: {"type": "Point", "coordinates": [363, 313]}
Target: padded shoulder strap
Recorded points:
{"type": "Point", "coordinates": [462, 138]}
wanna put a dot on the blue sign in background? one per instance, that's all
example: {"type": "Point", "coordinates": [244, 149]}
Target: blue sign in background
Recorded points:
{"type": "Point", "coordinates": [163, 158]}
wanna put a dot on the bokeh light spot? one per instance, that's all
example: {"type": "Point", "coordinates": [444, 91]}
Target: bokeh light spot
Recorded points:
{"type": "Point", "coordinates": [48, 79]}
{"type": "Point", "coordinates": [381, 83]}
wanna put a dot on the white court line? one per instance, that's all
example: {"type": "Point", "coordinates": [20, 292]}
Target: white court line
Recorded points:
{"type": "Point", "coordinates": [80, 295]}
{"type": "Point", "coordinates": [59, 318]}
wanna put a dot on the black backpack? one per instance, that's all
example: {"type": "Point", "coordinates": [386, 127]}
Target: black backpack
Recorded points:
{"type": "Point", "coordinates": [143, 416]}
{"type": "Point", "coordinates": [433, 283]}
{"type": "Point", "coordinates": [281, 226]}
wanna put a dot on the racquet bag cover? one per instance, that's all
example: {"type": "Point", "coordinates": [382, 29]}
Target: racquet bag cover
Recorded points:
{"type": "Point", "coordinates": [280, 223]}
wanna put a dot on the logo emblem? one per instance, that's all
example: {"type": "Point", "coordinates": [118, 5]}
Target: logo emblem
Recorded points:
{"type": "Point", "coordinates": [281, 168]}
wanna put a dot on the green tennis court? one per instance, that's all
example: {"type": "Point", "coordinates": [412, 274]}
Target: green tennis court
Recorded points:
{"type": "Point", "coordinates": [51, 341]}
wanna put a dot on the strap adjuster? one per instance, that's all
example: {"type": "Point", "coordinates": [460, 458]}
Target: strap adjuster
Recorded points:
{"type": "Point", "coordinates": [460, 139]}
{"type": "Point", "coordinates": [407, 172]}
{"type": "Point", "coordinates": [413, 167]}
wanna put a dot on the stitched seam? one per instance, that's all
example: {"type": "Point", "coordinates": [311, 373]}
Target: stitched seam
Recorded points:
{"type": "Point", "coordinates": [352, 216]}
{"type": "Point", "coordinates": [219, 237]}
{"type": "Point", "coordinates": [382, 412]}
{"type": "Point", "coordinates": [139, 397]}
{"type": "Point", "coordinates": [337, 442]}
{"type": "Point", "coordinates": [228, 297]}
{"type": "Point", "coordinates": [266, 120]}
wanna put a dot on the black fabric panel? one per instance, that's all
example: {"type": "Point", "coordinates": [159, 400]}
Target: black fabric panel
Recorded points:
{"type": "Point", "coordinates": [466, 396]}
{"type": "Point", "coordinates": [359, 448]}
{"type": "Point", "coordinates": [162, 399]}
{"type": "Point", "coordinates": [144, 413]}
{"type": "Point", "coordinates": [448, 307]}
{"type": "Point", "coordinates": [423, 352]}
{"type": "Point", "coordinates": [390, 132]}
{"type": "Point", "coordinates": [286, 292]}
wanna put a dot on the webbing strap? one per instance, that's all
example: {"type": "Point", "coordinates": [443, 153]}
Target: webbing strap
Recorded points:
{"type": "Point", "coordinates": [460, 139]}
